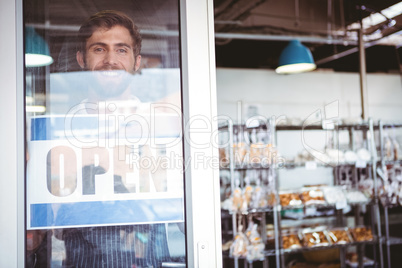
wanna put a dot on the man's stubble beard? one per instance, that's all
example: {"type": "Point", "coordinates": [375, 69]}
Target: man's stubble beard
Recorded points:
{"type": "Point", "coordinates": [108, 87]}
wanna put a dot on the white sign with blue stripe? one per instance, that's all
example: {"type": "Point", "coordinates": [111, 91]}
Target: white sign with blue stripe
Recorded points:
{"type": "Point", "coordinates": [87, 171]}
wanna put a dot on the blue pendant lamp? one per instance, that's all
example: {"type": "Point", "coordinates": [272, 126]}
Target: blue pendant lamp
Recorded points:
{"type": "Point", "coordinates": [36, 49]}
{"type": "Point", "coordinates": [295, 58]}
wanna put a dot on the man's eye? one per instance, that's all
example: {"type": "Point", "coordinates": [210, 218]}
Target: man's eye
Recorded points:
{"type": "Point", "coordinates": [98, 49]}
{"type": "Point", "coordinates": [122, 51]}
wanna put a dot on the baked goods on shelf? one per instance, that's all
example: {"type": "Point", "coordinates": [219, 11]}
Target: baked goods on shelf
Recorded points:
{"type": "Point", "coordinates": [291, 241]}
{"type": "Point", "coordinates": [290, 199]}
{"type": "Point", "coordinates": [240, 152]}
{"type": "Point", "coordinates": [361, 233]}
{"type": "Point", "coordinates": [315, 237]}
{"type": "Point", "coordinates": [313, 196]}
{"type": "Point", "coordinates": [339, 236]}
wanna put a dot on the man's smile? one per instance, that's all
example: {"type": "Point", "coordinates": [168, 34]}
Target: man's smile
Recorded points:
{"type": "Point", "coordinates": [111, 73]}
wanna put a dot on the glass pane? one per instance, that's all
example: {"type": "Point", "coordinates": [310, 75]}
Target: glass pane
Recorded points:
{"type": "Point", "coordinates": [104, 135]}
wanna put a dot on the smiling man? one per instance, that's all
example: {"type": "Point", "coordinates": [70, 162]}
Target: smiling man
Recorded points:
{"type": "Point", "coordinates": [110, 45]}
{"type": "Point", "coordinates": [109, 54]}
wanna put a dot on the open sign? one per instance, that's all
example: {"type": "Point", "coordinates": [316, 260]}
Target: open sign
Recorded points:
{"type": "Point", "coordinates": [83, 186]}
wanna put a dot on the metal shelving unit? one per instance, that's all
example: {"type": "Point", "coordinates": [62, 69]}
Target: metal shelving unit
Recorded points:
{"type": "Point", "coordinates": [387, 240]}
{"type": "Point", "coordinates": [275, 209]}
{"type": "Point", "coordinates": [370, 165]}
{"type": "Point", "coordinates": [232, 167]}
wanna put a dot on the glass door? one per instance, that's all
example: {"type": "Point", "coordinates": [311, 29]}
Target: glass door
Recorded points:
{"type": "Point", "coordinates": [110, 178]}
{"type": "Point", "coordinates": [104, 187]}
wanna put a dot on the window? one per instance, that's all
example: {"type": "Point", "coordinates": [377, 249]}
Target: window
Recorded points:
{"type": "Point", "coordinates": [105, 183]}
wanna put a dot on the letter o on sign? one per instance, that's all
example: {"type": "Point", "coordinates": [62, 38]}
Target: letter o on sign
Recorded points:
{"type": "Point", "coordinates": [61, 171]}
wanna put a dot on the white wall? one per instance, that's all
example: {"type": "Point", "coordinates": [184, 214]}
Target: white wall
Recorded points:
{"type": "Point", "coordinates": [301, 95]}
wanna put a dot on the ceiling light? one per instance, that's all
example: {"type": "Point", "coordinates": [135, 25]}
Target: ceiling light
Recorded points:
{"type": "Point", "coordinates": [35, 109]}
{"type": "Point", "coordinates": [295, 58]}
{"type": "Point", "coordinates": [36, 49]}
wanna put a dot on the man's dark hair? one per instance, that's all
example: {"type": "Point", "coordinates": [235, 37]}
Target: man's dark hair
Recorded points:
{"type": "Point", "coordinates": [107, 19]}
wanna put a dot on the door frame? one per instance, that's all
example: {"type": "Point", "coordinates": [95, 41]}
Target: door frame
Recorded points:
{"type": "Point", "coordinates": [200, 114]}
{"type": "Point", "coordinates": [202, 196]}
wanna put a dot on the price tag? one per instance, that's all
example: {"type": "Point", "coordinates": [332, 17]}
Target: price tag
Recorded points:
{"type": "Point", "coordinates": [341, 204]}
{"type": "Point", "coordinates": [311, 165]}
{"type": "Point", "coordinates": [361, 163]}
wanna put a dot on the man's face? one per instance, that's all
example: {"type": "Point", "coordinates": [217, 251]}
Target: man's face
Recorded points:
{"type": "Point", "coordinates": [110, 57]}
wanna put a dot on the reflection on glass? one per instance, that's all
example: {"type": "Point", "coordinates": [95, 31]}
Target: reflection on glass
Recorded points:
{"type": "Point", "coordinates": [104, 165]}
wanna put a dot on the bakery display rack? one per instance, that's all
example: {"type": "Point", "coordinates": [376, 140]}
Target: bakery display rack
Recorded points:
{"type": "Point", "coordinates": [252, 199]}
